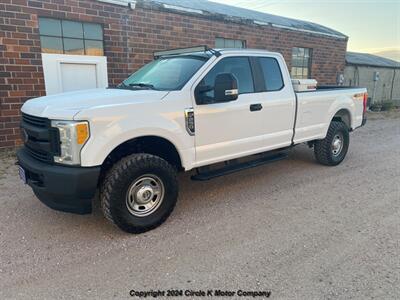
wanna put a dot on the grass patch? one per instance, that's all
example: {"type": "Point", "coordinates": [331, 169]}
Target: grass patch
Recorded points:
{"type": "Point", "coordinates": [7, 159]}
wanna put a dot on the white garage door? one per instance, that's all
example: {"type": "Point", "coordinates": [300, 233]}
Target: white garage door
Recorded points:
{"type": "Point", "coordinates": [65, 73]}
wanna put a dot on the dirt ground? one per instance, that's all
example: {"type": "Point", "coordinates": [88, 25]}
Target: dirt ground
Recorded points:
{"type": "Point", "coordinates": [294, 227]}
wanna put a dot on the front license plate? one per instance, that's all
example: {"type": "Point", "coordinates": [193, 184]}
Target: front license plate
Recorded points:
{"type": "Point", "coordinates": [22, 174]}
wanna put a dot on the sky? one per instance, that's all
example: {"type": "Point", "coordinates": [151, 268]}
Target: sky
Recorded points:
{"type": "Point", "coordinates": [372, 26]}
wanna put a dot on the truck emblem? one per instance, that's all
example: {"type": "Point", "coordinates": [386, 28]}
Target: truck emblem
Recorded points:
{"type": "Point", "coordinates": [189, 121]}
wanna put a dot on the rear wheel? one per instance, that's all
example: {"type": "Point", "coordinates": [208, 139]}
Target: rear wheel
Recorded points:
{"type": "Point", "coordinates": [333, 148]}
{"type": "Point", "coordinates": [139, 192]}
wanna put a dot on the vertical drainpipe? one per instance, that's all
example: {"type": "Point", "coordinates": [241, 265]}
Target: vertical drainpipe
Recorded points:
{"type": "Point", "coordinates": [391, 89]}
{"type": "Point", "coordinates": [374, 92]}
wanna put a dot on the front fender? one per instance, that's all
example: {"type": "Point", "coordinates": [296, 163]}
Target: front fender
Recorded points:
{"type": "Point", "coordinates": [96, 150]}
{"type": "Point", "coordinates": [109, 129]}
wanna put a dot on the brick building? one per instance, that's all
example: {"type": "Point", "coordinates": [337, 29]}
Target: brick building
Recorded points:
{"type": "Point", "coordinates": [119, 36]}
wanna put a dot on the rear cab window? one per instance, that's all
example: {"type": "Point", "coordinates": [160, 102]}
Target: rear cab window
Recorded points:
{"type": "Point", "coordinates": [271, 71]}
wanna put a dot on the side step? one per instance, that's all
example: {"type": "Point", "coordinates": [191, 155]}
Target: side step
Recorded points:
{"type": "Point", "coordinates": [231, 168]}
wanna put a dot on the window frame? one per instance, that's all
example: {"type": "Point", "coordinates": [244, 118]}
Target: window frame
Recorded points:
{"type": "Point", "coordinates": [309, 65]}
{"type": "Point", "coordinates": [252, 71]}
{"type": "Point", "coordinates": [244, 42]}
{"type": "Point", "coordinates": [62, 37]}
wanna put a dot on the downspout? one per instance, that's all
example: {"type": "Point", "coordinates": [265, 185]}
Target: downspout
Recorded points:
{"type": "Point", "coordinates": [391, 90]}
{"type": "Point", "coordinates": [374, 91]}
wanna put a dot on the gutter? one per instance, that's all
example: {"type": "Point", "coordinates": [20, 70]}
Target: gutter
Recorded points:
{"type": "Point", "coordinates": [372, 66]}
{"type": "Point", "coordinates": [127, 3]}
{"type": "Point", "coordinates": [306, 31]}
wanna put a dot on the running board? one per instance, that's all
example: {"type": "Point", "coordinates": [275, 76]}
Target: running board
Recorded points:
{"type": "Point", "coordinates": [231, 168]}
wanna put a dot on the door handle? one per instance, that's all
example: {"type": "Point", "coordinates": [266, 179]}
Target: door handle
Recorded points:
{"type": "Point", "coordinates": [255, 107]}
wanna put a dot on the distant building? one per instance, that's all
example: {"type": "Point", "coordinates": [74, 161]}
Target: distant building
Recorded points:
{"type": "Point", "coordinates": [381, 76]}
{"type": "Point", "coordinates": [54, 46]}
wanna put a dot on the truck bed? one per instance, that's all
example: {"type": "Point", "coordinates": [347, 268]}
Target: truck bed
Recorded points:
{"type": "Point", "coordinates": [315, 110]}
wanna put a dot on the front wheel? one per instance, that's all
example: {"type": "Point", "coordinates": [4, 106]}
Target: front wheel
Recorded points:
{"type": "Point", "coordinates": [139, 192]}
{"type": "Point", "coordinates": [333, 148]}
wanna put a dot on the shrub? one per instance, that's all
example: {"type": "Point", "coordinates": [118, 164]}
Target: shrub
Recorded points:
{"type": "Point", "coordinates": [375, 107]}
{"type": "Point", "coordinates": [387, 105]}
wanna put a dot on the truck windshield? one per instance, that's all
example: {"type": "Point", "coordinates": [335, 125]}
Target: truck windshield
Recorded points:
{"type": "Point", "coordinates": [165, 73]}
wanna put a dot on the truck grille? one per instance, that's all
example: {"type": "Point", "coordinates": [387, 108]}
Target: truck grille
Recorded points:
{"type": "Point", "coordinates": [41, 140]}
{"type": "Point", "coordinates": [35, 121]}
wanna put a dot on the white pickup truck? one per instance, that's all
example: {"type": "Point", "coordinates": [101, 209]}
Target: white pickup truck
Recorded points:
{"type": "Point", "coordinates": [215, 111]}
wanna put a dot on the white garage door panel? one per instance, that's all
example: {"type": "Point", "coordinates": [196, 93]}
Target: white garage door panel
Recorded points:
{"type": "Point", "coordinates": [78, 77]}
{"type": "Point", "coordinates": [64, 73]}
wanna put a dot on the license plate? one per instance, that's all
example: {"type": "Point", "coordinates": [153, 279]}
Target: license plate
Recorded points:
{"type": "Point", "coordinates": [22, 174]}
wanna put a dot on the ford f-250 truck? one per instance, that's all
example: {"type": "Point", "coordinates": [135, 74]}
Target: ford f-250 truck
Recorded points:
{"type": "Point", "coordinates": [215, 111]}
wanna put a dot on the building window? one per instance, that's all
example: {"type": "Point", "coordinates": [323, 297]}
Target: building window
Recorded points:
{"type": "Point", "coordinates": [229, 43]}
{"type": "Point", "coordinates": [70, 37]}
{"type": "Point", "coordinates": [301, 63]}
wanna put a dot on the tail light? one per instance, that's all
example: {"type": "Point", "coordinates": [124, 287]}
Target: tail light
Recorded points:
{"type": "Point", "coordinates": [365, 102]}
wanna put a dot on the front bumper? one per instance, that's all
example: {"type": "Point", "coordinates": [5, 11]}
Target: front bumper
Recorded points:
{"type": "Point", "coordinates": [69, 189]}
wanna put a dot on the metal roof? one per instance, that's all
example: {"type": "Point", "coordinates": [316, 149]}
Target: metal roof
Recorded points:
{"type": "Point", "coordinates": [208, 8]}
{"type": "Point", "coordinates": [365, 59]}
{"type": "Point", "coordinates": [257, 17]}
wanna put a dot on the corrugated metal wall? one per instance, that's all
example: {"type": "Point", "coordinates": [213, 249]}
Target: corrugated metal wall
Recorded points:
{"type": "Point", "coordinates": [386, 88]}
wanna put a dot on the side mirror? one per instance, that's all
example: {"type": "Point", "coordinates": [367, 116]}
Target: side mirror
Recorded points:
{"type": "Point", "coordinates": [225, 88]}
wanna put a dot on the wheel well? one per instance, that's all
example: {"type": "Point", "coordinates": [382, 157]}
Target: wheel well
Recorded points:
{"type": "Point", "coordinates": [148, 144]}
{"type": "Point", "coordinates": [343, 115]}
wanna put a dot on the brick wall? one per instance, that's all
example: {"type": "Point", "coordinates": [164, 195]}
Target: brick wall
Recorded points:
{"type": "Point", "coordinates": [130, 37]}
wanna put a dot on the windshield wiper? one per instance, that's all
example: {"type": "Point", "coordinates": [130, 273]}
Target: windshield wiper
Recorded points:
{"type": "Point", "coordinates": [143, 85]}
{"type": "Point", "coordinates": [122, 85]}
{"type": "Point", "coordinates": [132, 86]}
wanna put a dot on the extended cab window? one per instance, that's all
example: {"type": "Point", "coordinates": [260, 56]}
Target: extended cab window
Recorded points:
{"type": "Point", "coordinates": [272, 73]}
{"type": "Point", "coordinates": [169, 74]}
{"type": "Point", "coordinates": [239, 67]}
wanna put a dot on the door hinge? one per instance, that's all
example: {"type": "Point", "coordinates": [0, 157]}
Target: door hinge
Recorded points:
{"type": "Point", "coordinates": [189, 121]}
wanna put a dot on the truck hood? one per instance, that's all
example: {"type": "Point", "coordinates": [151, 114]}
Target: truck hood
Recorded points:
{"type": "Point", "coordinates": [65, 106]}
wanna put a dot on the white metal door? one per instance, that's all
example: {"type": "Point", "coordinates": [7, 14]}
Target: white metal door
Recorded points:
{"type": "Point", "coordinates": [78, 77]}
{"type": "Point", "coordinates": [64, 73]}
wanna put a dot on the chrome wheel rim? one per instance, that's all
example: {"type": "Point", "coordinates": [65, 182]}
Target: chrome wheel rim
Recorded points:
{"type": "Point", "coordinates": [337, 144]}
{"type": "Point", "coordinates": [145, 195]}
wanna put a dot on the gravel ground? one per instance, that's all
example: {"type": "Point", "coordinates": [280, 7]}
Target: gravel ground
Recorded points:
{"type": "Point", "coordinates": [294, 227]}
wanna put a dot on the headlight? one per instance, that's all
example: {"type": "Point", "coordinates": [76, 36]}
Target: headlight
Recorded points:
{"type": "Point", "coordinates": [73, 136]}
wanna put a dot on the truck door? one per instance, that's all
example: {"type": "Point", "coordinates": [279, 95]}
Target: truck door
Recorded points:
{"type": "Point", "coordinates": [275, 92]}
{"type": "Point", "coordinates": [258, 120]}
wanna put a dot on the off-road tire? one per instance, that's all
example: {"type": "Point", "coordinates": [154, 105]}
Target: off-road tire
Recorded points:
{"type": "Point", "coordinates": [323, 148]}
{"type": "Point", "coordinates": [117, 182]}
